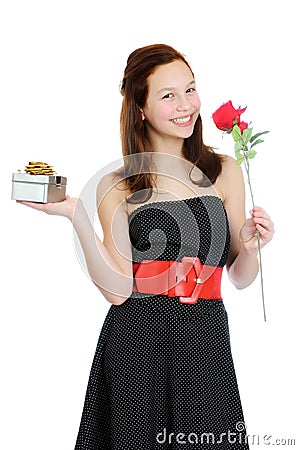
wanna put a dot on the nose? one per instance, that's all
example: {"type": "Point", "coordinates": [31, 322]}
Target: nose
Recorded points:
{"type": "Point", "coordinates": [183, 103]}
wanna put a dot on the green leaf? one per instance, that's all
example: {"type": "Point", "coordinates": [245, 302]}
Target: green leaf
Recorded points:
{"type": "Point", "coordinates": [258, 141]}
{"type": "Point", "coordinates": [240, 159]}
{"type": "Point", "coordinates": [246, 135]}
{"type": "Point", "coordinates": [251, 154]}
{"type": "Point", "coordinates": [253, 138]}
{"type": "Point", "coordinates": [238, 146]}
{"type": "Point", "coordinates": [237, 153]}
{"type": "Point", "coordinates": [236, 133]}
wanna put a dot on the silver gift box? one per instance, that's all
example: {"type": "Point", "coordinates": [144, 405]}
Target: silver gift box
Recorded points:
{"type": "Point", "coordinates": [38, 188]}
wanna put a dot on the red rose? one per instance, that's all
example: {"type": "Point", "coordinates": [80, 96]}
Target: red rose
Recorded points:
{"type": "Point", "coordinates": [243, 126]}
{"type": "Point", "coordinates": [227, 116]}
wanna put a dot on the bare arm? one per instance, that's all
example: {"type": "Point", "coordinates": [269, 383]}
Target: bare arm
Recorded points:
{"type": "Point", "coordinates": [109, 262]}
{"type": "Point", "coordinates": [106, 265]}
{"type": "Point", "coordinates": [242, 264]}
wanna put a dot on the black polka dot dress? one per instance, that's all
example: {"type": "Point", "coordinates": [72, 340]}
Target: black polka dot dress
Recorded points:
{"type": "Point", "coordinates": [163, 375]}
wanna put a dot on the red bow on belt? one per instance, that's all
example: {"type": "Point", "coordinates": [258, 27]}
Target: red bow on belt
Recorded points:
{"type": "Point", "coordinates": [188, 279]}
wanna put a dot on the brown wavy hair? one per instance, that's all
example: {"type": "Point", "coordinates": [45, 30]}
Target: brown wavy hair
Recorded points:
{"type": "Point", "coordinates": [136, 173]}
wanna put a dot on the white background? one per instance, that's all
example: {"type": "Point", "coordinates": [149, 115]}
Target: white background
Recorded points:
{"type": "Point", "coordinates": [61, 65]}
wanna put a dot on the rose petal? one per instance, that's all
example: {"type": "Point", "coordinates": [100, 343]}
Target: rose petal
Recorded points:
{"type": "Point", "coordinates": [225, 116]}
{"type": "Point", "coordinates": [243, 126]}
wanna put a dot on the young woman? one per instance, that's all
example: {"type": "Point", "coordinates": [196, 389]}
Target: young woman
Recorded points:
{"type": "Point", "coordinates": [172, 216]}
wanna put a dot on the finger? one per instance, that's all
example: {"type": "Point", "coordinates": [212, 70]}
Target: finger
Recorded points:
{"type": "Point", "coordinates": [258, 208]}
{"type": "Point", "coordinates": [264, 222]}
{"type": "Point", "coordinates": [259, 212]}
{"type": "Point", "coordinates": [265, 235]}
{"type": "Point", "coordinates": [34, 205]}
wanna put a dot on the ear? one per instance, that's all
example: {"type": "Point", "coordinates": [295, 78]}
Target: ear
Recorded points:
{"type": "Point", "coordinates": [142, 114]}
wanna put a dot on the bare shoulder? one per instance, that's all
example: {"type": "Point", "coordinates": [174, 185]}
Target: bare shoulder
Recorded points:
{"type": "Point", "coordinates": [230, 178]}
{"type": "Point", "coordinates": [111, 192]}
{"type": "Point", "coordinates": [229, 166]}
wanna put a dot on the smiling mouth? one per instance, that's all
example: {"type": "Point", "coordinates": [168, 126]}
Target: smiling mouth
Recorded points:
{"type": "Point", "coordinates": [181, 120]}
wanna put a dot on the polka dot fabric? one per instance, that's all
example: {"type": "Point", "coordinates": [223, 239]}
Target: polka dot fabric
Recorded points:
{"type": "Point", "coordinates": [163, 375]}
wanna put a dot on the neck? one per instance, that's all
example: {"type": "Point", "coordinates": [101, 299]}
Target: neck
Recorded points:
{"type": "Point", "coordinates": [169, 163]}
{"type": "Point", "coordinates": [168, 145]}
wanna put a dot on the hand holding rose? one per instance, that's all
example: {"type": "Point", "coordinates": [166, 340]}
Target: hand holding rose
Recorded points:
{"type": "Point", "coordinates": [260, 221]}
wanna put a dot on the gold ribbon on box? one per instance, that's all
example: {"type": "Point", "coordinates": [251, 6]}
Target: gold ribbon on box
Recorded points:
{"type": "Point", "coordinates": [39, 168]}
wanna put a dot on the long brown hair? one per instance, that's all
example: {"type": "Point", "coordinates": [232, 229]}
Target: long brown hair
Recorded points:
{"type": "Point", "coordinates": [136, 172]}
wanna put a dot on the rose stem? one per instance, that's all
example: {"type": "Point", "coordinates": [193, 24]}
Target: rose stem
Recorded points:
{"type": "Point", "coordinates": [246, 163]}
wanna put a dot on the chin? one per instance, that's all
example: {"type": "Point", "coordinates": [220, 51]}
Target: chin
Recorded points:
{"type": "Point", "coordinates": [186, 133]}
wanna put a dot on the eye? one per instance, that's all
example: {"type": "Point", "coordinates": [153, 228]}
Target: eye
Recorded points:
{"type": "Point", "coordinates": [191, 89]}
{"type": "Point", "coordinates": [169, 95]}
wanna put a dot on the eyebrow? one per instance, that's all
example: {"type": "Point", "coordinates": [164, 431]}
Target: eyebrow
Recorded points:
{"type": "Point", "coordinates": [173, 88]}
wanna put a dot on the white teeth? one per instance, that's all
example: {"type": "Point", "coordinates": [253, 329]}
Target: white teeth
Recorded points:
{"type": "Point", "coordinates": [182, 120]}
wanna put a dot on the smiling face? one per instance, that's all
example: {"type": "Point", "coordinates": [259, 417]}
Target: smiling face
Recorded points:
{"type": "Point", "coordinates": [172, 105]}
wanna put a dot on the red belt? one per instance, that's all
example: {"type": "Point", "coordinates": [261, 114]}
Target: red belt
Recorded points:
{"type": "Point", "coordinates": [188, 279]}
